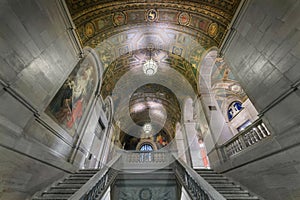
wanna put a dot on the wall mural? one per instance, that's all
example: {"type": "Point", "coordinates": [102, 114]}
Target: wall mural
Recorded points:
{"type": "Point", "coordinates": [70, 102]}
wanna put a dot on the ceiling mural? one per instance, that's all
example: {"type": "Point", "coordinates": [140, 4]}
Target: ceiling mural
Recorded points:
{"type": "Point", "coordinates": [99, 22]}
{"type": "Point", "coordinates": [175, 35]}
{"type": "Point", "coordinates": [209, 17]}
{"type": "Point", "coordinates": [170, 41]}
{"type": "Point", "coordinates": [135, 61]}
{"type": "Point", "coordinates": [225, 86]}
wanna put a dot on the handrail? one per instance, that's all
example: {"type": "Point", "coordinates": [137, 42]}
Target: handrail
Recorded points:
{"type": "Point", "coordinates": [195, 185]}
{"type": "Point", "coordinates": [253, 134]}
{"type": "Point", "coordinates": [95, 188]}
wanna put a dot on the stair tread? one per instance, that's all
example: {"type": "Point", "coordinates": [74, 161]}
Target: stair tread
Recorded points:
{"type": "Point", "coordinates": [206, 172]}
{"type": "Point", "coordinates": [75, 181]}
{"type": "Point", "coordinates": [224, 185]}
{"type": "Point", "coordinates": [237, 195]}
{"type": "Point", "coordinates": [241, 198]}
{"type": "Point", "coordinates": [56, 195]}
{"type": "Point", "coordinates": [88, 170]}
{"type": "Point", "coordinates": [214, 178]}
{"type": "Point", "coordinates": [50, 198]}
{"type": "Point", "coordinates": [79, 178]}
{"type": "Point", "coordinates": [211, 175]}
{"type": "Point", "coordinates": [62, 186]}
{"type": "Point", "coordinates": [61, 191]}
{"type": "Point", "coordinates": [233, 191]}
{"type": "Point", "coordinates": [81, 175]}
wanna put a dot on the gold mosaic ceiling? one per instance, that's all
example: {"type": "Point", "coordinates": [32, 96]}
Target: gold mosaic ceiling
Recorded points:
{"type": "Point", "coordinates": [115, 28]}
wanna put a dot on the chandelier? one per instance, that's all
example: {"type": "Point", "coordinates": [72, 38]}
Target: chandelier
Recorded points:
{"type": "Point", "coordinates": [150, 67]}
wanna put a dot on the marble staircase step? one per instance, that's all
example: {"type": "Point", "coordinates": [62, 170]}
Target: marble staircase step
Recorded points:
{"type": "Point", "coordinates": [233, 192]}
{"type": "Point", "coordinates": [82, 175]}
{"type": "Point", "coordinates": [61, 191]}
{"type": "Point", "coordinates": [219, 181]}
{"type": "Point", "coordinates": [242, 198]}
{"type": "Point", "coordinates": [70, 181]}
{"type": "Point", "coordinates": [50, 198]}
{"type": "Point", "coordinates": [57, 195]}
{"type": "Point", "coordinates": [224, 186]}
{"type": "Point", "coordinates": [67, 185]}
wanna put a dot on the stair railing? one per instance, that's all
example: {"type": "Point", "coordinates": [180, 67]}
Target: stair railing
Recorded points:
{"type": "Point", "coordinates": [253, 134]}
{"type": "Point", "coordinates": [96, 187]}
{"type": "Point", "coordinates": [195, 185]}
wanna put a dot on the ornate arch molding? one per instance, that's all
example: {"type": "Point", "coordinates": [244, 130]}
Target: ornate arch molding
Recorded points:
{"type": "Point", "coordinates": [205, 71]}
{"type": "Point", "coordinates": [88, 51]}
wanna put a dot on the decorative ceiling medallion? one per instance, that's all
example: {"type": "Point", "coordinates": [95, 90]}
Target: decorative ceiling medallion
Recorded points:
{"type": "Point", "coordinates": [119, 18]}
{"type": "Point", "coordinates": [213, 29]}
{"type": "Point", "coordinates": [184, 18]}
{"type": "Point", "coordinates": [151, 15]}
{"type": "Point", "coordinates": [145, 194]}
{"type": "Point", "coordinates": [89, 29]}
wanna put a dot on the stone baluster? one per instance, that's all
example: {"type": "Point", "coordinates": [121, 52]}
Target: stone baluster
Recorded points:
{"type": "Point", "coordinates": [242, 142]}
{"type": "Point", "coordinates": [263, 133]}
{"type": "Point", "coordinates": [266, 129]}
{"type": "Point", "coordinates": [259, 134]}
{"type": "Point", "coordinates": [255, 135]}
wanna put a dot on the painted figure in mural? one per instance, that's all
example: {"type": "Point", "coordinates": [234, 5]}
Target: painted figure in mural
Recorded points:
{"type": "Point", "coordinates": [161, 141]}
{"type": "Point", "coordinates": [66, 101]}
{"type": "Point", "coordinates": [81, 89]}
{"type": "Point", "coordinates": [68, 105]}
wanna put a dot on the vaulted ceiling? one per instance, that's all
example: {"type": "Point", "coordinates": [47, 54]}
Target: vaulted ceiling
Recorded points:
{"type": "Point", "coordinates": [176, 34]}
{"type": "Point", "coordinates": [183, 28]}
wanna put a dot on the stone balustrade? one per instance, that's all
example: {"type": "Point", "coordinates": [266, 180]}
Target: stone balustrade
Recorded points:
{"type": "Point", "coordinates": [252, 135]}
{"type": "Point", "coordinates": [145, 159]}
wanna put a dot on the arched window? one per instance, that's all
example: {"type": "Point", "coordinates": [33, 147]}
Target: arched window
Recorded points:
{"type": "Point", "coordinates": [146, 147]}
{"type": "Point", "coordinates": [234, 109]}
{"type": "Point", "coordinates": [145, 155]}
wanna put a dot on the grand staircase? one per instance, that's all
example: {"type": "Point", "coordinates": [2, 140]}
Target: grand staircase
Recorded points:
{"type": "Point", "coordinates": [132, 177]}
{"type": "Point", "coordinates": [67, 186]}
{"type": "Point", "coordinates": [224, 186]}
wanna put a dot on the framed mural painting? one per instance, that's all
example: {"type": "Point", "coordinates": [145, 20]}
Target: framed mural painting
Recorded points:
{"type": "Point", "coordinates": [70, 102]}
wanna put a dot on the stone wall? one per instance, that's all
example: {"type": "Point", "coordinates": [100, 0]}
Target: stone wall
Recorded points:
{"type": "Point", "coordinates": [264, 54]}
{"type": "Point", "coordinates": [37, 55]}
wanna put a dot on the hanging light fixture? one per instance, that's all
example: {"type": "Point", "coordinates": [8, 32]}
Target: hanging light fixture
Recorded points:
{"type": "Point", "coordinates": [150, 67]}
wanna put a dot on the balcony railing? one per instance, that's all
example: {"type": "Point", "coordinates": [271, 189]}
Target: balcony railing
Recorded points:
{"type": "Point", "coordinates": [145, 159]}
{"type": "Point", "coordinates": [253, 134]}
